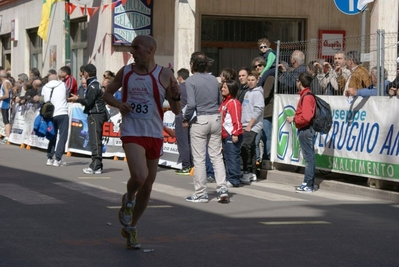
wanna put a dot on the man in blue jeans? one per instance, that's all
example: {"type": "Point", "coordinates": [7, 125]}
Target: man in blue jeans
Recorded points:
{"type": "Point", "coordinates": [304, 114]}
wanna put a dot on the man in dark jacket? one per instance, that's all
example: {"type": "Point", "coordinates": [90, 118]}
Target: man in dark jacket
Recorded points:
{"type": "Point", "coordinates": [97, 115]}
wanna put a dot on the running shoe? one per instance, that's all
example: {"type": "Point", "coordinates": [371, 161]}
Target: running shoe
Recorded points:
{"type": "Point", "coordinates": [131, 237]}
{"type": "Point", "coordinates": [223, 196]}
{"type": "Point", "coordinates": [185, 171]}
{"type": "Point", "coordinates": [198, 199]}
{"type": "Point", "coordinates": [58, 163]}
{"type": "Point", "coordinates": [125, 214]}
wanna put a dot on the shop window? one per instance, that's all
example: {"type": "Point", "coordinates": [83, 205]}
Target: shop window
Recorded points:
{"type": "Point", "coordinates": [78, 45]}
{"type": "Point", "coordinates": [232, 41]}
{"type": "Point", "coordinates": [35, 50]}
{"type": "Point", "coordinates": [6, 51]}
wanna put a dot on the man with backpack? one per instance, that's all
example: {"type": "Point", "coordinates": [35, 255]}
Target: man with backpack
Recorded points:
{"type": "Point", "coordinates": [303, 118]}
{"type": "Point", "coordinates": [56, 92]}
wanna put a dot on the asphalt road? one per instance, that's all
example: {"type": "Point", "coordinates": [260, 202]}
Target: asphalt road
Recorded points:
{"type": "Point", "coordinates": [58, 216]}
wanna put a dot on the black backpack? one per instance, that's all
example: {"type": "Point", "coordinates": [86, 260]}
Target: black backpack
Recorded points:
{"type": "Point", "coordinates": [47, 109]}
{"type": "Point", "coordinates": [322, 120]}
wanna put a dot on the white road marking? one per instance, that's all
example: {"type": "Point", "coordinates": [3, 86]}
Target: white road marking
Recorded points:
{"type": "Point", "coordinates": [319, 193]}
{"type": "Point", "coordinates": [294, 222]}
{"type": "Point", "coordinates": [93, 190]}
{"type": "Point", "coordinates": [26, 196]}
{"type": "Point", "coordinates": [183, 193]}
{"type": "Point", "coordinates": [94, 178]}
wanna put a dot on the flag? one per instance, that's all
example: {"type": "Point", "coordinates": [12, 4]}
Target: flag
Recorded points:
{"type": "Point", "coordinates": [362, 3]}
{"type": "Point", "coordinates": [44, 22]}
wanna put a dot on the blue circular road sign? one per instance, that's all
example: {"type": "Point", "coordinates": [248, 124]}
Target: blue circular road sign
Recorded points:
{"type": "Point", "coordinates": [348, 7]}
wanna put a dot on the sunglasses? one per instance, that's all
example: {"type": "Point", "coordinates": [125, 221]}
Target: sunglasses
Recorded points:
{"type": "Point", "coordinates": [258, 66]}
{"type": "Point", "coordinates": [263, 46]}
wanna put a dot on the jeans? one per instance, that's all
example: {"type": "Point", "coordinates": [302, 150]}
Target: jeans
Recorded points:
{"type": "Point", "coordinates": [231, 153]}
{"type": "Point", "coordinates": [183, 143]}
{"type": "Point", "coordinates": [207, 132]}
{"type": "Point", "coordinates": [248, 151]}
{"type": "Point", "coordinates": [306, 137]}
{"type": "Point", "coordinates": [267, 137]}
{"type": "Point", "coordinates": [61, 125]}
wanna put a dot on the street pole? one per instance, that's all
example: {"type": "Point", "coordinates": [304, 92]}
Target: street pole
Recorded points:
{"type": "Point", "coordinates": [67, 37]}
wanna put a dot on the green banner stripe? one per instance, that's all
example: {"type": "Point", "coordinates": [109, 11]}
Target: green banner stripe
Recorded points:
{"type": "Point", "coordinates": [358, 167]}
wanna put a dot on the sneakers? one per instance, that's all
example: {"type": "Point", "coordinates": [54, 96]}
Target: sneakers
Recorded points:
{"type": "Point", "coordinates": [210, 179]}
{"type": "Point", "coordinates": [246, 178]}
{"type": "Point", "coordinates": [223, 196]}
{"type": "Point", "coordinates": [49, 162]}
{"type": "Point", "coordinates": [199, 199]}
{"type": "Point", "coordinates": [252, 177]}
{"type": "Point", "coordinates": [303, 188]}
{"type": "Point", "coordinates": [131, 237]}
{"type": "Point", "coordinates": [185, 171]}
{"type": "Point", "coordinates": [4, 141]}
{"type": "Point", "coordinates": [90, 171]}
{"type": "Point", "coordinates": [58, 163]}
{"type": "Point", "coordinates": [125, 214]}
{"type": "Point", "coordinates": [229, 184]}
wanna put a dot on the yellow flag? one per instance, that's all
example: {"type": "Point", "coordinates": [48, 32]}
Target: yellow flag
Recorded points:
{"type": "Point", "coordinates": [44, 22]}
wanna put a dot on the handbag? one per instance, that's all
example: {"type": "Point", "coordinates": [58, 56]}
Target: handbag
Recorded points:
{"type": "Point", "coordinates": [47, 109]}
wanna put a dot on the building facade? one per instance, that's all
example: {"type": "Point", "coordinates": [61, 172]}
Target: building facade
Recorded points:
{"type": "Point", "coordinates": [227, 30]}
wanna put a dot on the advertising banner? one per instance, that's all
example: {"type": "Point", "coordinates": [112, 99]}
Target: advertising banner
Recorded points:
{"type": "Point", "coordinates": [363, 141]}
{"type": "Point", "coordinates": [22, 124]}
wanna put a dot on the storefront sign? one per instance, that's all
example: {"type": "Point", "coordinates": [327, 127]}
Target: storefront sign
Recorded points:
{"type": "Point", "coordinates": [131, 19]}
{"type": "Point", "coordinates": [330, 43]}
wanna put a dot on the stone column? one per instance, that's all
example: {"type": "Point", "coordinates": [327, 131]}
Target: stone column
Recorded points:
{"type": "Point", "coordinates": [185, 16]}
{"type": "Point", "coordinates": [384, 16]}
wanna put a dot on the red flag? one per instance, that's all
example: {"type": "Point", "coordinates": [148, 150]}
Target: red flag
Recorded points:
{"type": "Point", "coordinates": [82, 9]}
{"type": "Point", "coordinates": [104, 7]}
{"type": "Point", "coordinates": [92, 10]}
{"type": "Point", "coordinates": [69, 8]}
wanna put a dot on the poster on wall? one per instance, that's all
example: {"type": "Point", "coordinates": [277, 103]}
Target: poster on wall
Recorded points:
{"type": "Point", "coordinates": [131, 19]}
{"type": "Point", "coordinates": [53, 57]}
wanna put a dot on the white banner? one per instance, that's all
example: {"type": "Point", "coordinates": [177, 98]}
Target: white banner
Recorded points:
{"type": "Point", "coordinates": [22, 119]}
{"type": "Point", "coordinates": [363, 141]}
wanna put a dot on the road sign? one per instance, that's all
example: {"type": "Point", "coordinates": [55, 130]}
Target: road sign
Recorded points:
{"type": "Point", "coordinates": [348, 7]}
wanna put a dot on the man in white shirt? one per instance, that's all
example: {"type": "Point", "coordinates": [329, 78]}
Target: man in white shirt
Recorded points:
{"type": "Point", "coordinates": [60, 119]}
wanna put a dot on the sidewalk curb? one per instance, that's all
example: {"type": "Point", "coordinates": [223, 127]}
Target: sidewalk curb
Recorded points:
{"type": "Point", "coordinates": [331, 185]}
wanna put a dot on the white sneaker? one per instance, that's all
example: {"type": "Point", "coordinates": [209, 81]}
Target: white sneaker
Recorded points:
{"type": "Point", "coordinates": [58, 163]}
{"type": "Point", "coordinates": [49, 162]}
{"type": "Point", "coordinates": [90, 171]}
{"type": "Point", "coordinates": [252, 177]}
